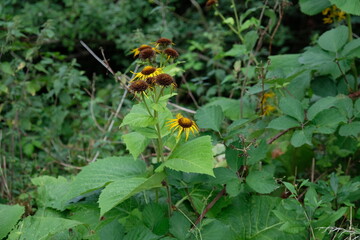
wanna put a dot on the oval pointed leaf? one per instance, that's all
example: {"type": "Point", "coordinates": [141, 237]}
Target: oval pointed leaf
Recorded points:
{"type": "Point", "coordinates": [10, 215]}
{"type": "Point", "coordinates": [283, 123]}
{"type": "Point", "coordinates": [194, 156]}
{"type": "Point", "coordinates": [334, 39]}
{"type": "Point", "coordinates": [292, 107]}
{"type": "Point", "coordinates": [123, 188]}
{"type": "Point", "coordinates": [210, 117]}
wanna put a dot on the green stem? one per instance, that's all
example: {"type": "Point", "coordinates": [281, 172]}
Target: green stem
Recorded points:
{"type": "Point", "coordinates": [230, 26]}
{"type": "Point", "coordinates": [236, 16]}
{"type": "Point", "coordinates": [353, 66]}
{"type": "Point", "coordinates": [147, 108]}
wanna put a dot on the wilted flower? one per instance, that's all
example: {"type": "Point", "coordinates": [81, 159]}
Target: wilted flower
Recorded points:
{"type": "Point", "coordinates": [165, 80]}
{"type": "Point", "coordinates": [138, 86]}
{"type": "Point", "coordinates": [171, 53]}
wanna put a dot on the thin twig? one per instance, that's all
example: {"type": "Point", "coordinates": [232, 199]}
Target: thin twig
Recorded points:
{"type": "Point", "coordinates": [210, 205]}
{"type": "Point", "coordinates": [189, 91]}
{"type": "Point", "coordinates": [273, 139]}
{"type": "Point", "coordinates": [182, 108]}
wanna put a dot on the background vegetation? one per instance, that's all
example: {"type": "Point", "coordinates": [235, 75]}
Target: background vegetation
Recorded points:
{"type": "Point", "coordinates": [272, 84]}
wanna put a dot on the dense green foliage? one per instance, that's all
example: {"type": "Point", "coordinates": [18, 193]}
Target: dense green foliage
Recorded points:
{"type": "Point", "coordinates": [272, 85]}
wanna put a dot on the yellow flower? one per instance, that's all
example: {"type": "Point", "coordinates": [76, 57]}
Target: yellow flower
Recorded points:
{"type": "Point", "coordinates": [147, 72]}
{"type": "Point", "coordinates": [333, 14]}
{"type": "Point", "coordinates": [341, 15]}
{"type": "Point", "coordinates": [268, 109]}
{"type": "Point", "coordinates": [183, 124]}
{"type": "Point", "coordinates": [137, 51]}
{"type": "Point", "coordinates": [327, 20]}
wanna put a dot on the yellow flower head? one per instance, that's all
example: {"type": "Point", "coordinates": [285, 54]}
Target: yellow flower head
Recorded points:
{"type": "Point", "coordinates": [183, 124]}
{"type": "Point", "coordinates": [147, 72]}
{"type": "Point", "coordinates": [136, 51]}
{"type": "Point", "coordinates": [333, 14]}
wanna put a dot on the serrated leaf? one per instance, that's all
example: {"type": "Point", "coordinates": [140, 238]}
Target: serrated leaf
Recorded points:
{"type": "Point", "coordinates": [258, 153]}
{"type": "Point", "coordinates": [291, 188]}
{"type": "Point", "coordinates": [10, 214]}
{"type": "Point", "coordinates": [210, 117]}
{"type": "Point", "coordinates": [345, 106]}
{"type": "Point", "coordinates": [135, 143]}
{"type": "Point", "coordinates": [350, 129]}
{"type": "Point", "coordinates": [303, 136]}
{"type": "Point", "coordinates": [292, 107]}
{"type": "Point", "coordinates": [41, 228]}
{"type": "Point", "coordinates": [261, 182]}
{"type": "Point", "coordinates": [6, 68]}
{"type": "Point", "coordinates": [138, 117]}
{"type": "Point", "coordinates": [283, 123]}
{"type": "Point", "coordinates": [234, 157]}
{"type": "Point", "coordinates": [334, 39]}
{"type": "Point", "coordinates": [322, 104]}
{"type": "Point", "coordinates": [155, 218]}
{"type": "Point", "coordinates": [179, 225]}
{"type": "Point", "coordinates": [194, 156]}
{"type": "Point", "coordinates": [253, 218]}
{"type": "Point", "coordinates": [97, 174]}
{"type": "Point", "coordinates": [327, 121]}
{"type": "Point", "coordinates": [236, 51]}
{"type": "Point", "coordinates": [123, 188]}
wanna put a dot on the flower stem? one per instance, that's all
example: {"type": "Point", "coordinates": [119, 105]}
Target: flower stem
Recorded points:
{"type": "Point", "coordinates": [147, 108]}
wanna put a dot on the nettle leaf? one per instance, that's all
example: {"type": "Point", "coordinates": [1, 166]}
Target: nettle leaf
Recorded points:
{"type": "Point", "coordinates": [123, 188]}
{"type": "Point", "coordinates": [210, 117]}
{"type": "Point", "coordinates": [97, 174]}
{"type": "Point", "coordinates": [194, 156]}
{"type": "Point", "coordinates": [233, 155]}
{"type": "Point", "coordinates": [350, 129]}
{"type": "Point", "coordinates": [155, 218]}
{"type": "Point", "coordinates": [135, 143]}
{"type": "Point", "coordinates": [350, 7]}
{"type": "Point", "coordinates": [303, 136]}
{"type": "Point", "coordinates": [292, 107]}
{"type": "Point", "coordinates": [311, 7]}
{"type": "Point", "coordinates": [179, 226]}
{"type": "Point", "coordinates": [138, 117]}
{"type": "Point", "coordinates": [334, 39]}
{"type": "Point", "coordinates": [254, 218]}
{"type": "Point", "coordinates": [283, 123]}
{"type": "Point", "coordinates": [258, 153]}
{"type": "Point", "coordinates": [322, 104]}
{"type": "Point", "coordinates": [10, 216]}
{"type": "Point", "coordinates": [261, 182]}
{"type": "Point", "coordinates": [37, 228]}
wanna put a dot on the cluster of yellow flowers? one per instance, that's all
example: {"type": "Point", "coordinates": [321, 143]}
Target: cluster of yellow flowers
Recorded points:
{"type": "Point", "coordinates": [265, 107]}
{"type": "Point", "coordinates": [333, 14]}
{"type": "Point", "coordinates": [152, 76]}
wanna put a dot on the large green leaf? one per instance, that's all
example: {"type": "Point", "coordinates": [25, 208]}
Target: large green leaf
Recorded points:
{"type": "Point", "coordinates": [9, 216]}
{"type": "Point", "coordinates": [261, 181]}
{"type": "Point", "coordinates": [254, 219]}
{"type": "Point", "coordinates": [348, 6]}
{"type": "Point", "coordinates": [283, 123]}
{"type": "Point", "coordinates": [350, 129]}
{"type": "Point", "coordinates": [125, 187]}
{"type": "Point", "coordinates": [334, 39]}
{"type": "Point", "coordinates": [41, 228]}
{"type": "Point", "coordinates": [311, 7]}
{"type": "Point", "coordinates": [135, 143]}
{"type": "Point", "coordinates": [258, 153]}
{"type": "Point", "coordinates": [138, 117]}
{"type": "Point", "coordinates": [303, 136]}
{"type": "Point", "coordinates": [352, 49]}
{"type": "Point", "coordinates": [292, 107]}
{"type": "Point", "coordinates": [234, 157]}
{"type": "Point", "coordinates": [322, 104]}
{"type": "Point", "coordinates": [193, 156]}
{"type": "Point", "coordinates": [179, 225]}
{"type": "Point", "coordinates": [210, 117]}
{"type": "Point", "coordinates": [97, 174]}
{"type": "Point", "coordinates": [328, 120]}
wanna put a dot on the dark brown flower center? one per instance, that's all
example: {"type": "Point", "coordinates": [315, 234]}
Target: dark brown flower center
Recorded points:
{"type": "Point", "coordinates": [139, 86]}
{"type": "Point", "coordinates": [164, 79]}
{"type": "Point", "coordinates": [171, 52]}
{"type": "Point", "coordinates": [148, 70]}
{"type": "Point", "coordinates": [164, 41]}
{"type": "Point", "coordinates": [185, 122]}
{"type": "Point", "coordinates": [146, 53]}
{"type": "Point", "coordinates": [144, 47]}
